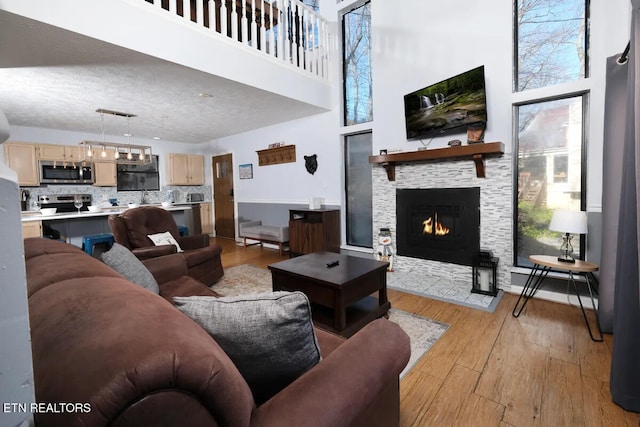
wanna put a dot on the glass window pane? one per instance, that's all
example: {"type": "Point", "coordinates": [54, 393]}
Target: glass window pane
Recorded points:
{"type": "Point", "coordinates": [550, 173]}
{"type": "Point", "coordinates": [551, 43]}
{"type": "Point", "coordinates": [356, 27]}
{"type": "Point", "coordinates": [358, 190]}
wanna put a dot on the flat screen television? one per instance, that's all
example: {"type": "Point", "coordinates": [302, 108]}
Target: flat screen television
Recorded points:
{"type": "Point", "coordinates": [447, 107]}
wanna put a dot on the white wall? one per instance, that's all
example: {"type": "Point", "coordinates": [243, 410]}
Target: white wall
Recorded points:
{"type": "Point", "coordinates": [418, 44]}
{"type": "Point", "coordinates": [423, 43]}
{"type": "Point", "coordinates": [289, 182]}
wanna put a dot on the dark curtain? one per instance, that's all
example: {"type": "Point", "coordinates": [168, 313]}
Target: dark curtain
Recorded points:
{"type": "Point", "coordinates": [615, 111]}
{"type": "Point", "coordinates": [625, 361]}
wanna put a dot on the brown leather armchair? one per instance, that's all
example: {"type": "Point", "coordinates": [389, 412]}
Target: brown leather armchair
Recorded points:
{"type": "Point", "coordinates": [132, 227]}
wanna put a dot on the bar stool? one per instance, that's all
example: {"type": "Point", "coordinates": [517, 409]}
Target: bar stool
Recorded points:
{"type": "Point", "coordinates": [90, 241]}
{"type": "Point", "coordinates": [183, 230]}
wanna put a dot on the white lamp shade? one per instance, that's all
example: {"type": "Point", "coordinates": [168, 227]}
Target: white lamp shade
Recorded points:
{"type": "Point", "coordinates": [565, 221]}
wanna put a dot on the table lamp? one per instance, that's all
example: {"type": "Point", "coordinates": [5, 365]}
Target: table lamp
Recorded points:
{"type": "Point", "coordinates": [568, 222]}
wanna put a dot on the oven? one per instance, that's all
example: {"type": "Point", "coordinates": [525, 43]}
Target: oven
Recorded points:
{"type": "Point", "coordinates": [64, 202]}
{"type": "Point", "coordinates": [52, 172]}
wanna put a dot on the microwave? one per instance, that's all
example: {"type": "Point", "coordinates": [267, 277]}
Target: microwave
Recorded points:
{"type": "Point", "coordinates": [65, 173]}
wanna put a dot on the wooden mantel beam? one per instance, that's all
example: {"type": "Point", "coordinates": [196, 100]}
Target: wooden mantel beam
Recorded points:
{"type": "Point", "coordinates": [476, 152]}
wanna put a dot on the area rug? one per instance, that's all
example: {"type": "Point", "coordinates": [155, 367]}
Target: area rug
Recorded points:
{"type": "Point", "coordinates": [442, 289]}
{"type": "Point", "coordinates": [249, 279]}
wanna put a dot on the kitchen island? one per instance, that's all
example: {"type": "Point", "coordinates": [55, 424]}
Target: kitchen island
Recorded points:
{"type": "Point", "coordinates": [71, 226]}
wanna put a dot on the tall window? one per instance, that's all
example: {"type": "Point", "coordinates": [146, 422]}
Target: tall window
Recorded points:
{"type": "Point", "coordinates": [356, 39]}
{"type": "Point", "coordinates": [552, 42]}
{"type": "Point", "coordinates": [551, 48]}
{"type": "Point", "coordinates": [358, 190]}
{"type": "Point", "coordinates": [550, 171]}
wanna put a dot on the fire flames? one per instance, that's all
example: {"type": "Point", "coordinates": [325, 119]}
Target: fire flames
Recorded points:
{"type": "Point", "coordinates": [440, 230]}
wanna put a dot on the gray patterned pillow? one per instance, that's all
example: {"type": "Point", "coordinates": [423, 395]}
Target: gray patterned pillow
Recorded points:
{"type": "Point", "coordinates": [126, 263]}
{"type": "Point", "coordinates": [269, 337]}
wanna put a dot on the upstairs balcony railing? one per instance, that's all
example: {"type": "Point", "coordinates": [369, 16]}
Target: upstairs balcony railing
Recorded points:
{"type": "Point", "coordinates": [287, 30]}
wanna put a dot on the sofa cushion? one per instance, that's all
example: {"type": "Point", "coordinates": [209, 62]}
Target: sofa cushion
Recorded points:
{"type": "Point", "coordinates": [165, 238]}
{"type": "Point", "coordinates": [269, 337]}
{"type": "Point", "coordinates": [126, 263]}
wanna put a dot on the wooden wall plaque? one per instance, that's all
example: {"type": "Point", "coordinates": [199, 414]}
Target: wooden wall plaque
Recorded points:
{"type": "Point", "coordinates": [274, 156]}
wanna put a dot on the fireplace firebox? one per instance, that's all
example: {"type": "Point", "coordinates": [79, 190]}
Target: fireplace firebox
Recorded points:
{"type": "Point", "coordinates": [440, 224]}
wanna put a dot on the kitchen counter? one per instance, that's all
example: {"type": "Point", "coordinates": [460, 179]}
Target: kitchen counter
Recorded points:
{"type": "Point", "coordinates": [28, 216]}
{"type": "Point", "coordinates": [72, 226]}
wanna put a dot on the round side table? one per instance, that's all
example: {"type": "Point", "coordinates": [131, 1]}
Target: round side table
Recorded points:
{"type": "Point", "coordinates": [542, 264]}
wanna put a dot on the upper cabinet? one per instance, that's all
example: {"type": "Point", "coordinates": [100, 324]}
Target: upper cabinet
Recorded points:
{"type": "Point", "coordinates": [23, 159]}
{"type": "Point", "coordinates": [105, 174]}
{"type": "Point", "coordinates": [185, 169]}
{"type": "Point", "coordinates": [65, 153]}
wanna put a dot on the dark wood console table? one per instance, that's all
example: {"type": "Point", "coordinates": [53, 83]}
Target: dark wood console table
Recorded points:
{"type": "Point", "coordinates": [314, 230]}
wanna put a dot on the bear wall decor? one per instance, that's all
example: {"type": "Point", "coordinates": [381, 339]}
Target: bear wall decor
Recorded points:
{"type": "Point", "coordinates": [311, 163]}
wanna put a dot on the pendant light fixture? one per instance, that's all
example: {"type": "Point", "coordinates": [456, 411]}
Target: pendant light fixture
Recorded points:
{"type": "Point", "coordinates": [142, 155]}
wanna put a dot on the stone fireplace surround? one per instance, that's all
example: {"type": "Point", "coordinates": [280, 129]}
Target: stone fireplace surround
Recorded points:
{"type": "Point", "coordinates": [496, 211]}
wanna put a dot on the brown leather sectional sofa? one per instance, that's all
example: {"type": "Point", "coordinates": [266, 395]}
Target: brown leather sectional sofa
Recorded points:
{"type": "Point", "coordinates": [129, 354]}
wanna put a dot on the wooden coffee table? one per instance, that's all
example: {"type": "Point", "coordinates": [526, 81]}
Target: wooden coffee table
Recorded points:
{"type": "Point", "coordinates": [341, 296]}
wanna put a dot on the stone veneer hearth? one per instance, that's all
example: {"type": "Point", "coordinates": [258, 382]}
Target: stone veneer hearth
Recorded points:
{"type": "Point", "coordinates": [496, 210]}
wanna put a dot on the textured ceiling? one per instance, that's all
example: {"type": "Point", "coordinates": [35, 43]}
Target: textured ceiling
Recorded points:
{"type": "Point", "coordinates": [53, 78]}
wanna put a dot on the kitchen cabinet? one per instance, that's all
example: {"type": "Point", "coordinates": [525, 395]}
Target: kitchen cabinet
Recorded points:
{"type": "Point", "coordinates": [31, 229]}
{"type": "Point", "coordinates": [64, 153]}
{"type": "Point", "coordinates": [185, 169]}
{"type": "Point", "coordinates": [314, 230]}
{"type": "Point", "coordinates": [22, 159]}
{"type": "Point", "coordinates": [105, 174]}
{"type": "Point", "coordinates": [206, 218]}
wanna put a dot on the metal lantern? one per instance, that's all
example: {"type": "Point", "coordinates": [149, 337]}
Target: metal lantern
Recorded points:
{"type": "Point", "coordinates": [485, 277]}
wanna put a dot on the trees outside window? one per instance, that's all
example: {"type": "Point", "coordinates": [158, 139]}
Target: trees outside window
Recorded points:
{"type": "Point", "coordinates": [551, 50]}
{"type": "Point", "coordinates": [552, 42]}
{"type": "Point", "coordinates": [356, 39]}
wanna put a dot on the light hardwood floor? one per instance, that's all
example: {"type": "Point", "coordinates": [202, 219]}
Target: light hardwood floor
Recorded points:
{"type": "Point", "coordinates": [491, 369]}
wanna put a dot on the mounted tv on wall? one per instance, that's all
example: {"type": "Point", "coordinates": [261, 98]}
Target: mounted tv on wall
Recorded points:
{"type": "Point", "coordinates": [447, 107]}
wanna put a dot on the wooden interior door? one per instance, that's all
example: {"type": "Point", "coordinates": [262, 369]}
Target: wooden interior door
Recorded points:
{"type": "Point", "coordinates": [223, 196]}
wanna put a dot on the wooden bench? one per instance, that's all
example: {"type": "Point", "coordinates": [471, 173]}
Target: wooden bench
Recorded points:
{"type": "Point", "coordinates": [254, 230]}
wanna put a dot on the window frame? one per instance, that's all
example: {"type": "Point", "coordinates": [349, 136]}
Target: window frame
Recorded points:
{"type": "Point", "coordinates": [345, 138]}
{"type": "Point", "coordinates": [516, 44]}
{"type": "Point", "coordinates": [344, 13]}
{"type": "Point", "coordinates": [585, 95]}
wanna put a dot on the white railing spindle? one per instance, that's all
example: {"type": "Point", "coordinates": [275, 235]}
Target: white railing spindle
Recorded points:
{"type": "Point", "coordinates": [200, 12]}
{"type": "Point", "coordinates": [157, 4]}
{"type": "Point", "coordinates": [254, 28]}
{"type": "Point", "coordinates": [173, 6]}
{"type": "Point", "coordinates": [223, 18]}
{"type": "Point", "coordinates": [273, 34]}
{"type": "Point", "coordinates": [234, 20]}
{"type": "Point", "coordinates": [322, 43]}
{"type": "Point", "coordinates": [243, 23]}
{"type": "Point", "coordinates": [262, 29]}
{"type": "Point", "coordinates": [307, 41]}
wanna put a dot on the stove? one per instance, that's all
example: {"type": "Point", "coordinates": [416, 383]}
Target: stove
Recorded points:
{"type": "Point", "coordinates": [64, 202]}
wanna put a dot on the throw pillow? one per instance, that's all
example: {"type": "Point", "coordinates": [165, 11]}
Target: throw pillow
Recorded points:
{"type": "Point", "coordinates": [126, 263]}
{"type": "Point", "coordinates": [269, 337]}
{"type": "Point", "coordinates": [164, 239]}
